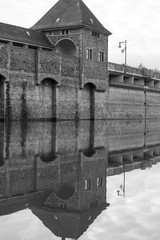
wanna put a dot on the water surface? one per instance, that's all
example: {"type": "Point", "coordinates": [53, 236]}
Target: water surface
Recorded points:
{"type": "Point", "coordinates": [85, 180]}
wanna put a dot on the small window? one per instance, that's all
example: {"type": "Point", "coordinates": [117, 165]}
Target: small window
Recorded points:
{"type": "Point", "coordinates": [94, 204]}
{"type": "Point", "coordinates": [87, 185]}
{"type": "Point", "coordinates": [101, 56]}
{"type": "Point", "coordinates": [50, 33]}
{"type": "Point", "coordinates": [18, 44]}
{"type": "Point", "coordinates": [99, 182]}
{"type": "Point", "coordinates": [3, 41]}
{"type": "Point", "coordinates": [63, 206]}
{"type": "Point", "coordinates": [89, 53]}
{"type": "Point", "coordinates": [47, 49]}
{"type": "Point", "coordinates": [64, 32]}
{"type": "Point", "coordinates": [32, 47]}
{"type": "Point", "coordinates": [95, 34]}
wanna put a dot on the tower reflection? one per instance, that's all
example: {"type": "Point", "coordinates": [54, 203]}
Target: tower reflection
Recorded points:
{"type": "Point", "coordinates": [59, 170]}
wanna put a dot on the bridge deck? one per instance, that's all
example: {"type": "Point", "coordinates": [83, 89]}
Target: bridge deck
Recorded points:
{"type": "Point", "coordinates": [126, 75]}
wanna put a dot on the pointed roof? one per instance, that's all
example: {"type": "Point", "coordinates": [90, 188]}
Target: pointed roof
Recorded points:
{"type": "Point", "coordinates": [67, 224]}
{"type": "Point", "coordinates": [71, 14]}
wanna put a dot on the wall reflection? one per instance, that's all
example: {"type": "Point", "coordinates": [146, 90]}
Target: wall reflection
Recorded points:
{"type": "Point", "coordinates": [59, 170]}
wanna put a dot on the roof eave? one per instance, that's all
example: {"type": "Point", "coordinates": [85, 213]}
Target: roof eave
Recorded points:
{"type": "Point", "coordinates": [25, 42]}
{"type": "Point", "coordinates": [104, 31]}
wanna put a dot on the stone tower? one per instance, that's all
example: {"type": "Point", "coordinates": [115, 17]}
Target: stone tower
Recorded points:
{"type": "Point", "coordinates": [57, 69]}
{"type": "Point", "coordinates": [75, 32]}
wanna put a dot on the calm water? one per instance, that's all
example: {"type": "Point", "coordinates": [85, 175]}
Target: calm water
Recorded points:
{"type": "Point", "coordinates": [86, 180]}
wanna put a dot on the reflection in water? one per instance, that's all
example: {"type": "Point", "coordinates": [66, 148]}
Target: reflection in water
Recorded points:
{"type": "Point", "coordinates": [59, 170]}
{"type": "Point", "coordinates": [1, 144]}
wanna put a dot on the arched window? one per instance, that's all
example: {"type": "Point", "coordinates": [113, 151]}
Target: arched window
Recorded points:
{"type": "Point", "coordinates": [48, 98]}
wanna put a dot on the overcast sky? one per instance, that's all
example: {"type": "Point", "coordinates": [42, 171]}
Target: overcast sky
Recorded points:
{"type": "Point", "coordinates": [136, 21]}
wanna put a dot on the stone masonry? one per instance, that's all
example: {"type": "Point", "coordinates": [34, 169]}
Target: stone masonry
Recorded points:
{"type": "Point", "coordinates": [58, 70]}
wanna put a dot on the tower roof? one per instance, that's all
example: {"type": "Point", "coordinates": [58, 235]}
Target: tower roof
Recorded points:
{"type": "Point", "coordinates": [71, 14]}
{"type": "Point", "coordinates": [67, 224]}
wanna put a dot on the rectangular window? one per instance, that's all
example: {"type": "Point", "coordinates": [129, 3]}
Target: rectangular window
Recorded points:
{"type": "Point", "coordinates": [65, 32]}
{"type": "Point", "coordinates": [89, 53]}
{"type": "Point", "coordinates": [94, 204]}
{"type": "Point", "coordinates": [101, 56]}
{"type": "Point", "coordinates": [99, 182]}
{"type": "Point", "coordinates": [87, 185]}
{"type": "Point", "coordinates": [18, 44]}
{"type": "Point", "coordinates": [95, 34]}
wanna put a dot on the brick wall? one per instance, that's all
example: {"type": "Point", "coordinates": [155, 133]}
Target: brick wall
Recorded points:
{"type": "Point", "coordinates": [1, 98]}
{"type": "Point", "coordinates": [153, 131]}
{"type": "Point", "coordinates": [126, 104]}
{"type": "Point", "coordinates": [93, 70]}
{"type": "Point", "coordinates": [25, 99]}
{"type": "Point", "coordinates": [152, 105]}
{"type": "Point", "coordinates": [126, 134]}
{"type": "Point", "coordinates": [101, 105]}
{"type": "Point", "coordinates": [66, 102]}
{"type": "Point", "coordinates": [86, 103]}
{"type": "Point", "coordinates": [41, 84]}
{"type": "Point", "coordinates": [49, 63]}
{"type": "Point", "coordinates": [3, 56]}
{"type": "Point", "coordinates": [2, 154]}
{"type": "Point", "coordinates": [22, 59]}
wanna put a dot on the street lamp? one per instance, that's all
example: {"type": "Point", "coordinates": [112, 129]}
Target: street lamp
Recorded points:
{"type": "Point", "coordinates": [123, 45]}
{"type": "Point", "coordinates": [122, 189]}
{"type": "Point", "coordinates": [145, 112]}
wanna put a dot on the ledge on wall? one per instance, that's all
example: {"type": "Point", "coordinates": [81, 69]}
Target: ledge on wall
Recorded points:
{"type": "Point", "coordinates": [135, 87]}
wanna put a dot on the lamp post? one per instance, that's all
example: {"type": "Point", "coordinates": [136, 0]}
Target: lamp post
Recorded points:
{"type": "Point", "coordinates": [123, 45]}
{"type": "Point", "coordinates": [145, 112]}
{"type": "Point", "coordinates": [122, 188]}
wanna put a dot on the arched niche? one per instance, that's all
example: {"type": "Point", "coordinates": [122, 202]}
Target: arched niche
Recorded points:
{"type": "Point", "coordinates": [2, 143]}
{"type": "Point", "coordinates": [88, 149]}
{"type": "Point", "coordinates": [88, 100]}
{"type": "Point", "coordinates": [65, 191]}
{"type": "Point", "coordinates": [89, 152]}
{"type": "Point", "coordinates": [66, 47]}
{"type": "Point", "coordinates": [47, 147]}
{"type": "Point", "coordinates": [48, 157]}
{"type": "Point", "coordinates": [2, 96]}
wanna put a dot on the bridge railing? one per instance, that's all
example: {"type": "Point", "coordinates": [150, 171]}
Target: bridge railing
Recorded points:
{"type": "Point", "coordinates": [150, 73]}
{"type": "Point", "coordinates": [156, 75]}
{"type": "Point", "coordinates": [122, 68]}
{"type": "Point", "coordinates": [134, 70]}
{"type": "Point", "coordinates": [115, 67]}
